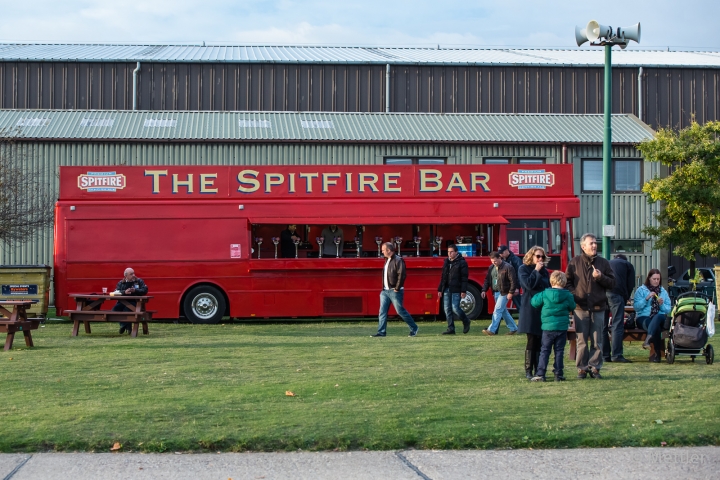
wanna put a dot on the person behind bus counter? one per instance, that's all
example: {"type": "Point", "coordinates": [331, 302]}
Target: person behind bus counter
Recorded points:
{"type": "Point", "coordinates": [129, 285]}
{"type": "Point", "coordinates": [287, 241]}
{"type": "Point", "coordinates": [329, 247]}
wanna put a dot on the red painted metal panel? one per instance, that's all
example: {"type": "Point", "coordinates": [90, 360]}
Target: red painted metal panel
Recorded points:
{"type": "Point", "coordinates": [314, 181]}
{"type": "Point", "coordinates": [190, 225]}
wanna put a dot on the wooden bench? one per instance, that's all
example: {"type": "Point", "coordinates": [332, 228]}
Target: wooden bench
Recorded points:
{"type": "Point", "coordinates": [88, 310]}
{"type": "Point", "coordinates": [634, 335]}
{"type": "Point", "coordinates": [16, 320]}
{"type": "Point", "coordinates": [87, 316]}
{"type": "Point", "coordinates": [23, 326]}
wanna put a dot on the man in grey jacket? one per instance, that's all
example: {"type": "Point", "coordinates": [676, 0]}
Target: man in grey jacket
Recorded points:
{"type": "Point", "coordinates": [392, 291]}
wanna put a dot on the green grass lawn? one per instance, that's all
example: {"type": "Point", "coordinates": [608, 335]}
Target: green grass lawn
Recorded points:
{"type": "Point", "coordinates": [222, 387]}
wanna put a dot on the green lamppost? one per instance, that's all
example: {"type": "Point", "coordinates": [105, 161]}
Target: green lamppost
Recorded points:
{"type": "Point", "coordinates": [603, 36]}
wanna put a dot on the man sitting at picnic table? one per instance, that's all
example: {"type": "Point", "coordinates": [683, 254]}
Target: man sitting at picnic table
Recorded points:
{"type": "Point", "coordinates": [129, 285]}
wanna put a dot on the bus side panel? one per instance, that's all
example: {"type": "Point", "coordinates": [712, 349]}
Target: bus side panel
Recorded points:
{"type": "Point", "coordinates": [169, 254]}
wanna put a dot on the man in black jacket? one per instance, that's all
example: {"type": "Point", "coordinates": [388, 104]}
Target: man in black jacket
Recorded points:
{"type": "Point", "coordinates": [453, 287]}
{"type": "Point", "coordinates": [516, 262]}
{"type": "Point", "coordinates": [589, 277]}
{"type": "Point", "coordinates": [617, 298]}
{"type": "Point", "coordinates": [129, 285]}
{"type": "Point", "coordinates": [392, 291]}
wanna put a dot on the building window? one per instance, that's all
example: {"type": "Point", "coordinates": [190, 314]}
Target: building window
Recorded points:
{"type": "Point", "coordinates": [530, 161]}
{"type": "Point", "coordinates": [627, 246]}
{"type": "Point", "coordinates": [592, 176]}
{"type": "Point", "coordinates": [626, 176]}
{"type": "Point", "coordinates": [414, 161]}
{"type": "Point", "coordinates": [496, 161]}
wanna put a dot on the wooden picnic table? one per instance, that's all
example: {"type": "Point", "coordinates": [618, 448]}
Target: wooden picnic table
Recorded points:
{"type": "Point", "coordinates": [632, 335]}
{"type": "Point", "coordinates": [16, 320]}
{"type": "Point", "coordinates": [88, 309]}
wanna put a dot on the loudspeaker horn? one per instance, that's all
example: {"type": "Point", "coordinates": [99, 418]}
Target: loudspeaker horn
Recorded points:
{"type": "Point", "coordinates": [631, 33]}
{"type": "Point", "coordinates": [580, 36]}
{"type": "Point", "coordinates": [594, 31]}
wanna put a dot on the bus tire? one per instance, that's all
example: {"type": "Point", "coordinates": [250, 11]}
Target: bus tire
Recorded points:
{"type": "Point", "coordinates": [204, 304]}
{"type": "Point", "coordinates": [472, 304]}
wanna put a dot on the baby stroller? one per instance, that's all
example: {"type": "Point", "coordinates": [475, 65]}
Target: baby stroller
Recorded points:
{"type": "Point", "coordinates": [688, 329]}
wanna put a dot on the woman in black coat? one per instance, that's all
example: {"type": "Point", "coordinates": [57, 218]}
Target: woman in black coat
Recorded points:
{"type": "Point", "coordinates": [534, 278]}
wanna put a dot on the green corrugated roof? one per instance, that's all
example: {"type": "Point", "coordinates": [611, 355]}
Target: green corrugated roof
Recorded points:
{"type": "Point", "coordinates": [322, 127]}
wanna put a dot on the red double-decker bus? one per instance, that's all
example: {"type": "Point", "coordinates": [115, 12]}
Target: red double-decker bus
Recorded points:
{"type": "Point", "coordinates": [202, 236]}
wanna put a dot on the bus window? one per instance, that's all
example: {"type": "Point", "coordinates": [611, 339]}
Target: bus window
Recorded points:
{"type": "Point", "coordinates": [528, 233]}
{"type": "Point", "coordinates": [523, 234]}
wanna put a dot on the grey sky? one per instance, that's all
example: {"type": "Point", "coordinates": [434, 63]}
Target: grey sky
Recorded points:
{"type": "Point", "coordinates": [517, 23]}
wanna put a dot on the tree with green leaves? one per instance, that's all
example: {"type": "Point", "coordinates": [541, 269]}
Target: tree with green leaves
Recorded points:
{"type": "Point", "coordinates": [689, 220]}
{"type": "Point", "coordinates": [26, 205]}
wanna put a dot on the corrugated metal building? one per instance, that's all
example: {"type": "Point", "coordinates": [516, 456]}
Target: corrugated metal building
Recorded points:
{"type": "Point", "coordinates": [661, 88]}
{"type": "Point", "coordinates": [50, 139]}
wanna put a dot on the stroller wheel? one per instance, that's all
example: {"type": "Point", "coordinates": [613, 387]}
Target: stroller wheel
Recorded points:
{"type": "Point", "coordinates": [670, 354]}
{"type": "Point", "coordinates": [709, 354]}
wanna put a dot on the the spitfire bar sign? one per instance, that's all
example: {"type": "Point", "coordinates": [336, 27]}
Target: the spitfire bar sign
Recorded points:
{"type": "Point", "coordinates": [316, 181]}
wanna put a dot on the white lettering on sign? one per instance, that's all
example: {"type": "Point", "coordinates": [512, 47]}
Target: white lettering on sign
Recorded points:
{"type": "Point", "coordinates": [248, 181]}
{"type": "Point", "coordinates": [254, 181]}
{"type": "Point", "coordinates": [101, 181]}
{"type": "Point", "coordinates": [430, 180]}
{"type": "Point", "coordinates": [527, 179]}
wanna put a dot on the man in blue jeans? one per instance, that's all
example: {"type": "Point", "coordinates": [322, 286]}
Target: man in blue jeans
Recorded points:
{"type": "Point", "coordinates": [453, 287]}
{"type": "Point", "coordinates": [502, 280]}
{"type": "Point", "coordinates": [392, 291]}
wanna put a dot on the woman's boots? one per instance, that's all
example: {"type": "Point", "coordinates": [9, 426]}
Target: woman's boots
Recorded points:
{"type": "Point", "coordinates": [528, 364]}
{"type": "Point", "coordinates": [532, 359]}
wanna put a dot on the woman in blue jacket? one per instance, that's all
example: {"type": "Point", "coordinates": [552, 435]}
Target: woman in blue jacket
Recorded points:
{"type": "Point", "coordinates": [652, 304]}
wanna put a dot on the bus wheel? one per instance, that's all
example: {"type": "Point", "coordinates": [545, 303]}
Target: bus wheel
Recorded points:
{"type": "Point", "coordinates": [204, 304]}
{"type": "Point", "coordinates": [472, 304]}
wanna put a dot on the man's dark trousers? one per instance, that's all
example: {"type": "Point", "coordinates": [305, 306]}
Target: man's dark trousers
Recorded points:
{"type": "Point", "coordinates": [516, 301]}
{"type": "Point", "coordinates": [617, 311]}
{"type": "Point", "coordinates": [119, 307]}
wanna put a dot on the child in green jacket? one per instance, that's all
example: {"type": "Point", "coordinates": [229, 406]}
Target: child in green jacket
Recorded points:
{"type": "Point", "coordinates": [556, 304]}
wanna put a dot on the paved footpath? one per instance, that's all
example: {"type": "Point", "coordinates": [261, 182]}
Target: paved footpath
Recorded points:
{"type": "Point", "coordinates": [610, 463]}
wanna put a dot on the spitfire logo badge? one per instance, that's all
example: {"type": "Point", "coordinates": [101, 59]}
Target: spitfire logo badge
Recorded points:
{"type": "Point", "coordinates": [101, 181]}
{"type": "Point", "coordinates": [532, 179]}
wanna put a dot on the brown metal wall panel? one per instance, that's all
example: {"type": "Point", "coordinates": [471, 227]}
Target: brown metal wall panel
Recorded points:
{"type": "Point", "coordinates": [671, 97]}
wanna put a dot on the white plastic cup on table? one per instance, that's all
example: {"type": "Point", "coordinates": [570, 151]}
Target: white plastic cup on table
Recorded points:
{"type": "Point", "coordinates": [104, 290]}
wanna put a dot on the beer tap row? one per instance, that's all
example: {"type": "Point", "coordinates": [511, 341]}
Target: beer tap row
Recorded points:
{"type": "Point", "coordinates": [435, 243]}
